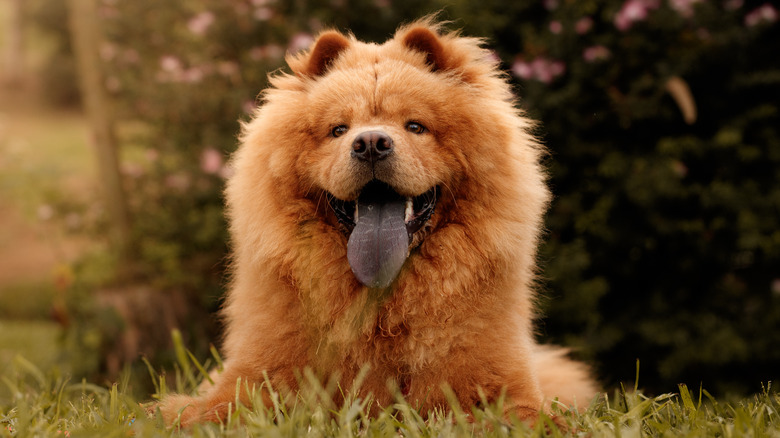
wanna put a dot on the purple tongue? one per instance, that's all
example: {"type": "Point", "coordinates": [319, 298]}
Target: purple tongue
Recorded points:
{"type": "Point", "coordinates": [379, 243]}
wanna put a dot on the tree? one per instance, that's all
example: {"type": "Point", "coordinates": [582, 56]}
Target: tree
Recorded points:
{"type": "Point", "coordinates": [85, 34]}
{"type": "Point", "coordinates": [14, 47]}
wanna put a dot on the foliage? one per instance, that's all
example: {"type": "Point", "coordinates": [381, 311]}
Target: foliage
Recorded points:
{"type": "Point", "coordinates": [41, 404]}
{"type": "Point", "coordinates": [58, 70]}
{"type": "Point", "coordinates": [663, 238]}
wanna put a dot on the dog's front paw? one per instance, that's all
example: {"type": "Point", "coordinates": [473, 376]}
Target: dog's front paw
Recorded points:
{"type": "Point", "coordinates": [180, 410]}
{"type": "Point", "coordinates": [532, 417]}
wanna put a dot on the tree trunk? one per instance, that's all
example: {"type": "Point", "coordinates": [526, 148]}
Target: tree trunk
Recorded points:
{"type": "Point", "coordinates": [86, 36]}
{"type": "Point", "coordinates": [14, 47]}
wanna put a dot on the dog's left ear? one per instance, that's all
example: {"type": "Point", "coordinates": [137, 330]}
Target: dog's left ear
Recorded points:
{"type": "Point", "coordinates": [325, 51]}
{"type": "Point", "coordinates": [424, 40]}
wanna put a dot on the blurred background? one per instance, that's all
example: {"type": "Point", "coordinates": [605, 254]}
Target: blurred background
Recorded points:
{"type": "Point", "coordinates": [661, 116]}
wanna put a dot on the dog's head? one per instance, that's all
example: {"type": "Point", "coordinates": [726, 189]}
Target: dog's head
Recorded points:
{"type": "Point", "coordinates": [400, 140]}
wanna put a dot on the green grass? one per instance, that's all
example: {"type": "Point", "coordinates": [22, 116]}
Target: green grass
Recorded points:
{"type": "Point", "coordinates": [38, 341]}
{"type": "Point", "coordinates": [45, 153]}
{"type": "Point", "coordinates": [48, 404]}
{"type": "Point", "coordinates": [29, 300]}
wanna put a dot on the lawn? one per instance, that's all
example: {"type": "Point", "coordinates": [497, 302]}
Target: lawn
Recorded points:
{"type": "Point", "coordinates": [39, 403]}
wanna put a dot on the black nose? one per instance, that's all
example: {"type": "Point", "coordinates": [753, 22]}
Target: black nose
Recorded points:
{"type": "Point", "coordinates": [372, 146]}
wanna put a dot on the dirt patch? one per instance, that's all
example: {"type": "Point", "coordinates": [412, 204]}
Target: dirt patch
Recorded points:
{"type": "Point", "coordinates": [31, 251]}
{"type": "Point", "coordinates": [43, 154]}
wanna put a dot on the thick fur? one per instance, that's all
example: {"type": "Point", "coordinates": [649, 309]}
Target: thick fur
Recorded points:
{"type": "Point", "coordinates": [460, 312]}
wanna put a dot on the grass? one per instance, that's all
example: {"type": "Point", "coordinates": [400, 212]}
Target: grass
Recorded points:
{"type": "Point", "coordinates": [16, 338]}
{"type": "Point", "coordinates": [48, 404]}
{"type": "Point", "coordinates": [44, 151]}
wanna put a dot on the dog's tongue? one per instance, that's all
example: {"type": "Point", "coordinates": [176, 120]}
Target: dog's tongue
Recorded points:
{"type": "Point", "coordinates": [379, 243]}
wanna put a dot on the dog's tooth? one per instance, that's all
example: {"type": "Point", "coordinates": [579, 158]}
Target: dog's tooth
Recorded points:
{"type": "Point", "coordinates": [409, 210]}
{"type": "Point", "coordinates": [356, 211]}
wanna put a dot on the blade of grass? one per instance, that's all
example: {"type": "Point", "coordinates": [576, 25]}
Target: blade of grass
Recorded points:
{"type": "Point", "coordinates": [182, 358]}
{"type": "Point", "coordinates": [200, 367]}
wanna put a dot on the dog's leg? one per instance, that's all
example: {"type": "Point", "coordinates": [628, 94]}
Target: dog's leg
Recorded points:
{"type": "Point", "coordinates": [213, 405]}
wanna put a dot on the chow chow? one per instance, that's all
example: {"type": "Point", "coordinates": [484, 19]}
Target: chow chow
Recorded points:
{"type": "Point", "coordinates": [385, 211]}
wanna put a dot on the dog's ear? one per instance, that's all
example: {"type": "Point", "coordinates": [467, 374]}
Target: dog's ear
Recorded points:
{"type": "Point", "coordinates": [326, 49]}
{"type": "Point", "coordinates": [424, 40]}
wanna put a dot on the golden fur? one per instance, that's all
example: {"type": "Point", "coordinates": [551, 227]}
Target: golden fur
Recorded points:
{"type": "Point", "coordinates": [460, 311]}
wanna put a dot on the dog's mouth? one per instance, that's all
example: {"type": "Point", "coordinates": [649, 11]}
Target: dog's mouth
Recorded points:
{"type": "Point", "coordinates": [381, 225]}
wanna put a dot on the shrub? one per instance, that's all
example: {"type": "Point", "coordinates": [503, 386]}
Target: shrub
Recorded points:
{"type": "Point", "coordinates": [663, 238]}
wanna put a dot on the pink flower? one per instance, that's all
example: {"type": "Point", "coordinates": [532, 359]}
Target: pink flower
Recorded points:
{"type": "Point", "coordinates": [263, 14]}
{"type": "Point", "coordinates": [210, 161]}
{"type": "Point", "coordinates": [556, 27]}
{"type": "Point", "coordinates": [541, 69]}
{"type": "Point", "coordinates": [107, 51]}
{"type": "Point", "coordinates": [764, 13]}
{"type": "Point", "coordinates": [249, 106]}
{"type": "Point", "coordinates": [546, 70]}
{"type": "Point", "coordinates": [300, 41]}
{"type": "Point", "coordinates": [191, 75]}
{"type": "Point", "coordinates": [492, 57]}
{"type": "Point", "coordinates": [271, 52]}
{"type": "Point", "coordinates": [228, 68]}
{"type": "Point", "coordinates": [45, 212]}
{"type": "Point", "coordinates": [550, 4]}
{"type": "Point", "coordinates": [595, 53]}
{"type": "Point", "coordinates": [172, 70]}
{"type": "Point", "coordinates": [683, 7]}
{"type": "Point", "coordinates": [170, 64]}
{"type": "Point", "coordinates": [200, 23]}
{"type": "Point", "coordinates": [274, 51]}
{"type": "Point", "coordinates": [556, 68]}
{"type": "Point", "coordinates": [633, 11]}
{"type": "Point", "coordinates": [178, 181]}
{"type": "Point", "coordinates": [132, 170]}
{"type": "Point", "coordinates": [522, 69]}
{"type": "Point", "coordinates": [583, 25]}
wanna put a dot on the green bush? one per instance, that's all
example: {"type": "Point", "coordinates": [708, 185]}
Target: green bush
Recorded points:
{"type": "Point", "coordinates": [664, 237]}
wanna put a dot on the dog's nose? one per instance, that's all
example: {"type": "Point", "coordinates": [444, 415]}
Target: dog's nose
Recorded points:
{"type": "Point", "coordinates": [372, 146]}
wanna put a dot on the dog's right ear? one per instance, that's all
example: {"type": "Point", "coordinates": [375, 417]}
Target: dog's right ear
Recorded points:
{"type": "Point", "coordinates": [425, 40]}
{"type": "Point", "coordinates": [316, 62]}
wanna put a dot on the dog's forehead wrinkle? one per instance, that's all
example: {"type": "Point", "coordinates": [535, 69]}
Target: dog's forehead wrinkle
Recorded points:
{"type": "Point", "coordinates": [376, 85]}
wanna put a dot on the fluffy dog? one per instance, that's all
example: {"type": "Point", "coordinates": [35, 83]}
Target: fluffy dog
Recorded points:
{"type": "Point", "coordinates": [385, 212]}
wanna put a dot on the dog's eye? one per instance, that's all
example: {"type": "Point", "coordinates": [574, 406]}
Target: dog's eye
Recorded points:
{"type": "Point", "coordinates": [338, 131]}
{"type": "Point", "coordinates": [415, 127]}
